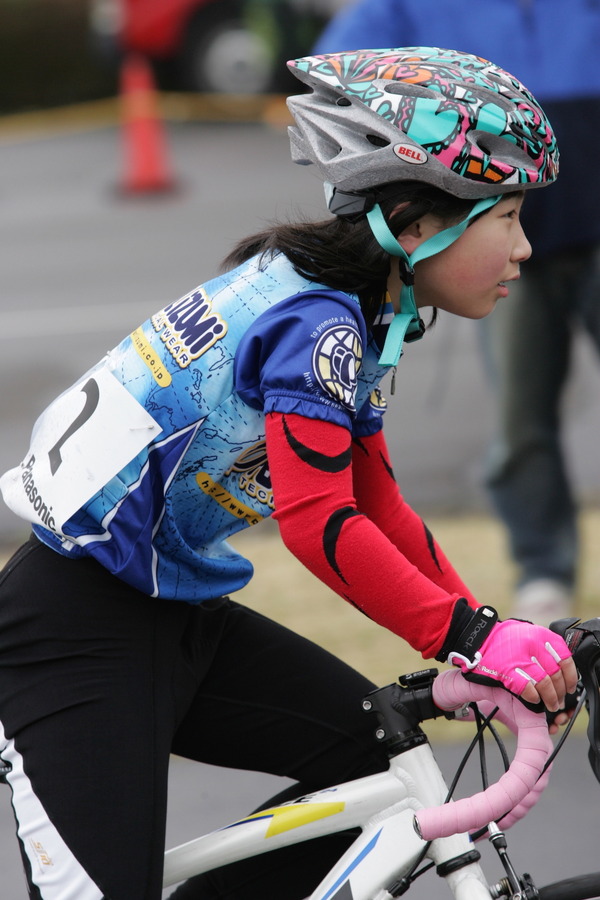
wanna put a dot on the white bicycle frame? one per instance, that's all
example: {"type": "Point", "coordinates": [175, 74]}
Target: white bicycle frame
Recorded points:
{"type": "Point", "coordinates": [381, 805]}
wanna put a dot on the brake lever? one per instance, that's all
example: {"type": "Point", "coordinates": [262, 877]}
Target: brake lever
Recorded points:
{"type": "Point", "coordinates": [583, 640]}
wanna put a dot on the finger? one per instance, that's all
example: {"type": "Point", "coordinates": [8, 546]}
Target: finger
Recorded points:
{"type": "Point", "coordinates": [569, 671]}
{"type": "Point", "coordinates": [560, 719]}
{"type": "Point", "coordinates": [530, 694]}
{"type": "Point", "coordinates": [560, 687]}
{"type": "Point", "coordinates": [547, 693]}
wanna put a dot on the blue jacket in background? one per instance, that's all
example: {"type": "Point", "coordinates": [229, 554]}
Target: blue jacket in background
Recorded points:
{"type": "Point", "coordinates": [552, 46]}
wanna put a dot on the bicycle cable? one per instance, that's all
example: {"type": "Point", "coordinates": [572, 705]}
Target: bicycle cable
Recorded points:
{"type": "Point", "coordinates": [559, 744]}
{"type": "Point", "coordinates": [483, 723]}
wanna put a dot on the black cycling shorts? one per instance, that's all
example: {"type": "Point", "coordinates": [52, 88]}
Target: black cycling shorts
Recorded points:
{"type": "Point", "coordinates": [100, 683]}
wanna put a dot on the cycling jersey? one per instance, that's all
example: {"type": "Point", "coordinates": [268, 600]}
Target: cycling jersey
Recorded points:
{"type": "Point", "coordinates": [157, 455]}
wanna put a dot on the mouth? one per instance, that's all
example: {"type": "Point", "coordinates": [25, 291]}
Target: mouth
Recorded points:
{"type": "Point", "coordinates": [503, 285]}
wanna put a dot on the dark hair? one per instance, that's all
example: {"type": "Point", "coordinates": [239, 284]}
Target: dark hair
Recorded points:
{"type": "Point", "coordinates": [344, 254]}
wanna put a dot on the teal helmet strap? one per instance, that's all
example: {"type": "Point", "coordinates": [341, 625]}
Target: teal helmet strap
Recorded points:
{"type": "Point", "coordinates": [406, 325]}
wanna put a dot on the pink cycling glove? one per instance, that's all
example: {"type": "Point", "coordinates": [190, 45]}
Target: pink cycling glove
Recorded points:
{"type": "Point", "coordinates": [513, 652]}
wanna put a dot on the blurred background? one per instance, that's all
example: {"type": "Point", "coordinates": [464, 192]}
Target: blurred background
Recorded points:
{"type": "Point", "coordinates": [67, 51]}
{"type": "Point", "coordinates": [139, 140]}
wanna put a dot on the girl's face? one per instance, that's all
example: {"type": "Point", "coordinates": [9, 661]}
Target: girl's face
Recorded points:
{"type": "Point", "coordinates": [471, 275]}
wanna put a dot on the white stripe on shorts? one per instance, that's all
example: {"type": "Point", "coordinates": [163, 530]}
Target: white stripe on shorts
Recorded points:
{"type": "Point", "coordinates": [55, 871]}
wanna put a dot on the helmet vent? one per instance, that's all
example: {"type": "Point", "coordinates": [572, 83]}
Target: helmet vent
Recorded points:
{"type": "Point", "coordinates": [494, 145]}
{"type": "Point", "coordinates": [485, 95]}
{"type": "Point", "coordinates": [407, 89]}
{"type": "Point", "coordinates": [343, 101]}
{"type": "Point", "coordinates": [377, 141]}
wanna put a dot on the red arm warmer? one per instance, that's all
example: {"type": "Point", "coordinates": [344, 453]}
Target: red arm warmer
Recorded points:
{"type": "Point", "coordinates": [378, 497]}
{"type": "Point", "coordinates": [312, 478]}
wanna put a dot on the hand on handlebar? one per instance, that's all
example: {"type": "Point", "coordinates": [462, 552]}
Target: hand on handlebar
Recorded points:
{"type": "Point", "coordinates": [528, 660]}
{"type": "Point", "coordinates": [519, 787]}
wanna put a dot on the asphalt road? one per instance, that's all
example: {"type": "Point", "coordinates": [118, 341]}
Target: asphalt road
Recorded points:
{"type": "Point", "coordinates": [81, 266]}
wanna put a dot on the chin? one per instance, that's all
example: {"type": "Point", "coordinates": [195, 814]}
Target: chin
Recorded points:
{"type": "Point", "coordinates": [479, 313]}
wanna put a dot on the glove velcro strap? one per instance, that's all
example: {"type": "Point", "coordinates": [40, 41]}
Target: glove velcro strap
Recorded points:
{"type": "Point", "coordinates": [474, 635]}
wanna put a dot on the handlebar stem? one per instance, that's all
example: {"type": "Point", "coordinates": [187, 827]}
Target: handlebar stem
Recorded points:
{"type": "Point", "coordinates": [400, 708]}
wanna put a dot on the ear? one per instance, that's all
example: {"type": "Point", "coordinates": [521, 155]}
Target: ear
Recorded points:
{"type": "Point", "coordinates": [418, 232]}
{"type": "Point", "coordinates": [414, 234]}
{"type": "Point", "coordinates": [411, 237]}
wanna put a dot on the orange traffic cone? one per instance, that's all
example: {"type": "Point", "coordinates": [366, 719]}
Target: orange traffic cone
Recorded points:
{"type": "Point", "coordinates": [144, 142]}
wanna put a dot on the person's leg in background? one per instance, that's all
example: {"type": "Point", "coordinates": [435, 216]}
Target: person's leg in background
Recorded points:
{"type": "Point", "coordinates": [588, 294]}
{"type": "Point", "coordinates": [530, 337]}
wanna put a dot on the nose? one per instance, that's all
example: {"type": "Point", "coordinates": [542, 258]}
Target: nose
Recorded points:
{"type": "Point", "coordinates": [521, 248]}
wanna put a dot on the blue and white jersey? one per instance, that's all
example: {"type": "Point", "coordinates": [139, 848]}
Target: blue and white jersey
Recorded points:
{"type": "Point", "coordinates": [153, 459]}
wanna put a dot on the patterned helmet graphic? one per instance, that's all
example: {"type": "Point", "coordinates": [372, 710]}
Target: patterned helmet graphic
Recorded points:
{"type": "Point", "coordinates": [448, 118]}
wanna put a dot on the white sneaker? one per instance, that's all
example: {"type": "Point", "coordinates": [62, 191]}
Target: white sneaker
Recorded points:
{"type": "Point", "coordinates": [542, 601]}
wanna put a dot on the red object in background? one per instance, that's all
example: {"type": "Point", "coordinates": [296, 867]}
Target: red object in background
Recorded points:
{"type": "Point", "coordinates": [147, 169]}
{"type": "Point", "coordinates": [211, 46]}
{"type": "Point", "coordinates": [157, 27]}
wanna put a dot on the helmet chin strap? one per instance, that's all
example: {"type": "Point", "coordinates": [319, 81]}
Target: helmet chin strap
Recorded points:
{"type": "Point", "coordinates": [407, 325]}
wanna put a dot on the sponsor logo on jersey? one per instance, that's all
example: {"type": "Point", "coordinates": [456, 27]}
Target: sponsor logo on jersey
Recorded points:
{"type": "Point", "coordinates": [226, 500]}
{"type": "Point", "coordinates": [337, 358]}
{"type": "Point", "coordinates": [189, 327]}
{"type": "Point", "coordinates": [32, 492]}
{"type": "Point", "coordinates": [150, 358]}
{"type": "Point", "coordinates": [377, 400]}
{"type": "Point", "coordinates": [254, 478]}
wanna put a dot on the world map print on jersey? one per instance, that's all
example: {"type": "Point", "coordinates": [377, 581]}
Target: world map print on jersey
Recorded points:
{"type": "Point", "coordinates": [207, 368]}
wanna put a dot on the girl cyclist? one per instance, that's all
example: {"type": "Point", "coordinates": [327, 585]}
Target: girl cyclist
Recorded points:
{"type": "Point", "coordinates": [257, 394]}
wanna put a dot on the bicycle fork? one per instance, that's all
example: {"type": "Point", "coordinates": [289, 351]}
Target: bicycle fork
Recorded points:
{"type": "Point", "coordinates": [511, 887]}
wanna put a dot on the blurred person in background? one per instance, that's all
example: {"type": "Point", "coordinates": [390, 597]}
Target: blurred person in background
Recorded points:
{"type": "Point", "coordinates": [552, 47]}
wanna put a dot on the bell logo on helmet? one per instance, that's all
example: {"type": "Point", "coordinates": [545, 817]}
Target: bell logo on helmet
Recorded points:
{"type": "Point", "coordinates": [410, 153]}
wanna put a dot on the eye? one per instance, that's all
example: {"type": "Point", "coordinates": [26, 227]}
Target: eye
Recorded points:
{"type": "Point", "coordinates": [512, 214]}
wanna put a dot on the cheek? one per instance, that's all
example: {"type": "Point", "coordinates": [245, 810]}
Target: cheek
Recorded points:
{"type": "Point", "coordinates": [475, 266]}
{"type": "Point", "coordinates": [465, 271]}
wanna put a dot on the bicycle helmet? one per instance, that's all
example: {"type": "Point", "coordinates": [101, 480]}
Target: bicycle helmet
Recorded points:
{"type": "Point", "coordinates": [449, 118]}
{"type": "Point", "coordinates": [453, 120]}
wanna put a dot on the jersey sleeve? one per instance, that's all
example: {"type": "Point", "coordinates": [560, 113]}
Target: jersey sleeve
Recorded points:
{"type": "Point", "coordinates": [369, 419]}
{"type": "Point", "coordinates": [303, 356]}
{"type": "Point", "coordinates": [331, 533]}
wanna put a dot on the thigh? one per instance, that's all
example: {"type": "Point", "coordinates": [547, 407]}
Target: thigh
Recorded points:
{"type": "Point", "coordinates": [273, 701]}
{"type": "Point", "coordinates": [87, 717]}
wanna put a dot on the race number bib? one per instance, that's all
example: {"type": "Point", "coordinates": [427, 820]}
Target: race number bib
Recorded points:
{"type": "Point", "coordinates": [81, 441]}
